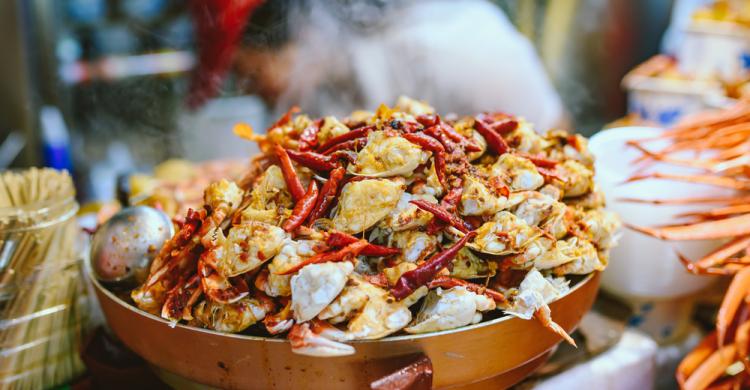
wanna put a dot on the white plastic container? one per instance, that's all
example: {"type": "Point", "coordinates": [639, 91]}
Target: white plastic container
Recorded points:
{"type": "Point", "coordinates": [713, 49]}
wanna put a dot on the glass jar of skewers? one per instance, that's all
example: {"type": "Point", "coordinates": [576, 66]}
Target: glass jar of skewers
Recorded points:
{"type": "Point", "coordinates": [43, 299]}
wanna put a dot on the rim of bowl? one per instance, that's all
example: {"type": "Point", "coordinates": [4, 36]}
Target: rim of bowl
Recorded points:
{"type": "Point", "coordinates": [116, 299]}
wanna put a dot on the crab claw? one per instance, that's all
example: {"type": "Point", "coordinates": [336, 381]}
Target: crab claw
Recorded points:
{"type": "Point", "coordinates": [306, 342]}
{"type": "Point", "coordinates": [736, 294]}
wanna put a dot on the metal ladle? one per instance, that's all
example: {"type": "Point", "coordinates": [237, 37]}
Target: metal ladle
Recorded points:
{"type": "Point", "coordinates": [123, 247]}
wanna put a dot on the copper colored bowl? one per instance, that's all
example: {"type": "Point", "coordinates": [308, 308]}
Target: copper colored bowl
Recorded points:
{"type": "Point", "coordinates": [491, 354]}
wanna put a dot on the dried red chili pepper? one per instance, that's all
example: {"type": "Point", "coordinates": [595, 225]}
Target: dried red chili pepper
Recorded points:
{"type": "Point", "coordinates": [538, 160]}
{"type": "Point", "coordinates": [338, 239]}
{"type": "Point", "coordinates": [348, 252]}
{"type": "Point", "coordinates": [449, 203]}
{"type": "Point", "coordinates": [348, 136]}
{"type": "Point", "coordinates": [505, 126]}
{"type": "Point", "coordinates": [327, 194]}
{"type": "Point", "coordinates": [434, 146]}
{"type": "Point", "coordinates": [494, 140]}
{"type": "Point", "coordinates": [312, 160]}
{"type": "Point", "coordinates": [286, 118]}
{"type": "Point", "coordinates": [425, 272]}
{"type": "Point", "coordinates": [302, 209]}
{"type": "Point", "coordinates": [308, 138]}
{"type": "Point", "coordinates": [442, 214]}
{"type": "Point", "coordinates": [348, 145]}
{"type": "Point", "coordinates": [550, 175]}
{"type": "Point", "coordinates": [290, 175]}
{"type": "Point", "coordinates": [449, 282]}
{"type": "Point", "coordinates": [428, 120]}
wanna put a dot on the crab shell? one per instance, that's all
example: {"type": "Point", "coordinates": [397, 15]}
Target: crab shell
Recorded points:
{"type": "Point", "coordinates": [364, 203]}
{"type": "Point", "coordinates": [386, 156]}
{"type": "Point", "coordinates": [450, 309]}
{"type": "Point", "coordinates": [315, 286]}
{"type": "Point", "coordinates": [246, 247]}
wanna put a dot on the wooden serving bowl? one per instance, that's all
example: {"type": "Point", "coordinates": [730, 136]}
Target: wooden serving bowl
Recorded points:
{"type": "Point", "coordinates": [491, 354]}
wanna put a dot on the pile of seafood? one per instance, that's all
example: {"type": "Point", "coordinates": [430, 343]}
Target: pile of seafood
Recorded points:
{"type": "Point", "coordinates": [720, 142]}
{"type": "Point", "coordinates": [385, 222]}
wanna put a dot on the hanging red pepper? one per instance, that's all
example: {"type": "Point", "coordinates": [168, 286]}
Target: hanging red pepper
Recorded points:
{"type": "Point", "coordinates": [354, 144]}
{"type": "Point", "coordinates": [425, 272]}
{"type": "Point", "coordinates": [494, 140]}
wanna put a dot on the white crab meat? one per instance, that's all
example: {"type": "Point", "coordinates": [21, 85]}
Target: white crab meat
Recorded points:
{"type": "Point", "coordinates": [579, 180]}
{"type": "Point", "coordinates": [222, 192]}
{"type": "Point", "coordinates": [364, 203]}
{"type": "Point", "coordinates": [537, 209]}
{"type": "Point", "coordinates": [246, 247]}
{"type": "Point", "coordinates": [536, 248]}
{"type": "Point", "coordinates": [526, 139]}
{"type": "Point", "coordinates": [330, 128]}
{"type": "Point", "coordinates": [413, 106]}
{"type": "Point", "coordinates": [563, 251]}
{"type": "Point", "coordinates": [467, 265]}
{"type": "Point", "coordinates": [351, 300]}
{"type": "Point", "coordinates": [477, 199]}
{"type": "Point", "coordinates": [504, 235]}
{"type": "Point", "coordinates": [449, 309]}
{"type": "Point", "coordinates": [232, 318]}
{"type": "Point", "coordinates": [315, 286]}
{"type": "Point", "coordinates": [382, 315]}
{"type": "Point", "coordinates": [386, 155]}
{"type": "Point", "coordinates": [292, 253]}
{"type": "Point", "coordinates": [586, 259]}
{"type": "Point", "coordinates": [535, 292]}
{"type": "Point", "coordinates": [269, 201]}
{"type": "Point", "coordinates": [407, 216]}
{"type": "Point", "coordinates": [415, 245]}
{"type": "Point", "coordinates": [521, 172]}
{"type": "Point", "coordinates": [600, 227]}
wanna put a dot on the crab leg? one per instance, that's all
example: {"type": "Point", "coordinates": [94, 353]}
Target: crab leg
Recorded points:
{"type": "Point", "coordinates": [448, 282]}
{"type": "Point", "coordinates": [327, 194]}
{"type": "Point", "coordinates": [494, 140]}
{"type": "Point", "coordinates": [290, 175]}
{"type": "Point", "coordinates": [346, 253]}
{"type": "Point", "coordinates": [737, 292]}
{"type": "Point", "coordinates": [280, 322]}
{"type": "Point", "coordinates": [433, 146]}
{"type": "Point", "coordinates": [302, 209]}
{"type": "Point", "coordinates": [362, 132]}
{"type": "Point", "coordinates": [712, 200]}
{"type": "Point", "coordinates": [742, 341]}
{"type": "Point", "coordinates": [711, 369]}
{"type": "Point", "coordinates": [693, 360]}
{"type": "Point", "coordinates": [544, 315]}
{"type": "Point", "coordinates": [312, 160]}
{"type": "Point", "coordinates": [181, 299]}
{"type": "Point", "coordinates": [442, 214]}
{"type": "Point", "coordinates": [425, 272]}
{"type": "Point", "coordinates": [727, 270]}
{"type": "Point", "coordinates": [718, 181]}
{"type": "Point", "coordinates": [306, 342]}
{"type": "Point", "coordinates": [729, 227]}
{"type": "Point", "coordinates": [220, 288]}
{"type": "Point", "coordinates": [722, 253]}
{"type": "Point", "coordinates": [719, 212]}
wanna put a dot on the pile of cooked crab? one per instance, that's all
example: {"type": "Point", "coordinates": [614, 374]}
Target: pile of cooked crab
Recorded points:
{"type": "Point", "coordinates": [397, 221]}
